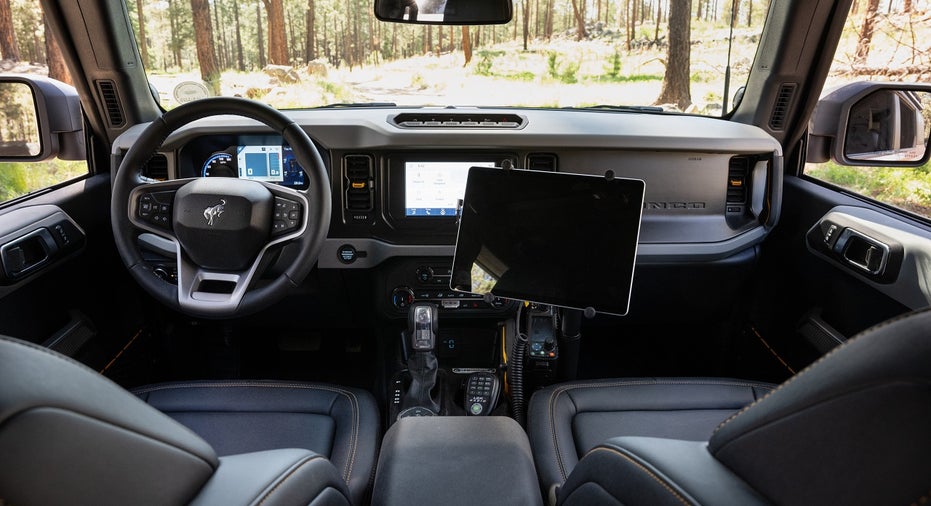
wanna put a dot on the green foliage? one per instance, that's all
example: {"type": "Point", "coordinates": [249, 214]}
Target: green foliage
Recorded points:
{"type": "Point", "coordinates": [567, 73]}
{"type": "Point", "coordinates": [484, 63]}
{"type": "Point", "coordinates": [613, 68]}
{"type": "Point", "coordinates": [18, 179]}
{"type": "Point", "coordinates": [552, 64]}
{"type": "Point", "coordinates": [906, 188]}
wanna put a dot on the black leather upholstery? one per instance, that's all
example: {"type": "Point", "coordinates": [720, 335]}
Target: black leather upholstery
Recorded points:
{"type": "Point", "coordinates": [339, 423]}
{"type": "Point", "coordinates": [654, 471]}
{"type": "Point", "coordinates": [274, 477]}
{"type": "Point", "coordinates": [850, 429]}
{"type": "Point", "coordinates": [71, 436]}
{"type": "Point", "coordinates": [565, 421]}
{"type": "Point", "coordinates": [452, 460]}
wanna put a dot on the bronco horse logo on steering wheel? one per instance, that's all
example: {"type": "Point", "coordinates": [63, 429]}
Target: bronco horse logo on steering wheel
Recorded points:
{"type": "Point", "coordinates": [211, 214]}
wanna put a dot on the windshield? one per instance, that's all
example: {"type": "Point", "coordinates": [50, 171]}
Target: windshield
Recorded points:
{"type": "Point", "coordinates": [553, 53]}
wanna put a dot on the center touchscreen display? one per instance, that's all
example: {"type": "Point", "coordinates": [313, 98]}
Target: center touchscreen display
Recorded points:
{"type": "Point", "coordinates": [433, 189]}
{"type": "Point", "coordinates": [568, 240]}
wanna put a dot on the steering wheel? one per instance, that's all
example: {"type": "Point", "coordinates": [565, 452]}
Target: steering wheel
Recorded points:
{"type": "Point", "coordinates": [224, 233]}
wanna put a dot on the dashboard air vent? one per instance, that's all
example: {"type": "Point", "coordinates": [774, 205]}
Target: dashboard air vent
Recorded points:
{"type": "Point", "coordinates": [738, 175]}
{"type": "Point", "coordinates": [542, 161]}
{"type": "Point", "coordinates": [781, 108]}
{"type": "Point", "coordinates": [438, 119]}
{"type": "Point", "coordinates": [156, 168]}
{"type": "Point", "coordinates": [359, 179]}
{"type": "Point", "coordinates": [111, 101]}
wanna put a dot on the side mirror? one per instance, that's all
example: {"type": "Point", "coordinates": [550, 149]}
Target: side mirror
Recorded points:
{"type": "Point", "coordinates": [873, 124]}
{"type": "Point", "coordinates": [40, 118]}
{"type": "Point", "coordinates": [444, 12]}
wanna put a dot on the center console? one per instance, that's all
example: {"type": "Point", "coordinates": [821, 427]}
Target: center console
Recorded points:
{"type": "Point", "coordinates": [456, 460]}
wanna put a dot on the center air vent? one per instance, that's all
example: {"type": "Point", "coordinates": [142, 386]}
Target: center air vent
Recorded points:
{"type": "Point", "coordinates": [156, 168]}
{"type": "Point", "coordinates": [738, 176]}
{"type": "Point", "coordinates": [457, 120]}
{"type": "Point", "coordinates": [358, 176]}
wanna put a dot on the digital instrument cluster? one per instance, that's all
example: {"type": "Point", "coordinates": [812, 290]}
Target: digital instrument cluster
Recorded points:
{"type": "Point", "coordinates": [256, 157]}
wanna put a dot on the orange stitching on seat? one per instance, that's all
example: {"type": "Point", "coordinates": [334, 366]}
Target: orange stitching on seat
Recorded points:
{"type": "Point", "coordinates": [291, 473]}
{"type": "Point", "coordinates": [649, 473]}
{"type": "Point", "coordinates": [562, 389]}
{"type": "Point", "coordinates": [353, 401]}
{"type": "Point", "coordinates": [820, 360]}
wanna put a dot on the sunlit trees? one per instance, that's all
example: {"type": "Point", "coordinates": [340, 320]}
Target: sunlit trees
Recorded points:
{"type": "Point", "coordinates": [9, 49]}
{"type": "Point", "coordinates": [677, 77]}
{"type": "Point", "coordinates": [206, 54]}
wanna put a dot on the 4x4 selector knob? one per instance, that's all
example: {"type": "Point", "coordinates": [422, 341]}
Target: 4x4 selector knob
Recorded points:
{"type": "Point", "coordinates": [402, 297]}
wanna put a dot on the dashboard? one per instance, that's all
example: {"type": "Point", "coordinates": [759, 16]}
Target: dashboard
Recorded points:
{"type": "Point", "coordinates": [713, 187]}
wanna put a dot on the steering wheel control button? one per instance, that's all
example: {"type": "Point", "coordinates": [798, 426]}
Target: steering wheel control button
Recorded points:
{"type": "Point", "coordinates": [155, 208]}
{"type": "Point", "coordinates": [286, 216]}
{"type": "Point", "coordinates": [347, 254]}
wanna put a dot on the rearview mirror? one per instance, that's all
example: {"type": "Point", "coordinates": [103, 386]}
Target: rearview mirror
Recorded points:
{"type": "Point", "coordinates": [444, 12]}
{"type": "Point", "coordinates": [872, 124]}
{"type": "Point", "coordinates": [40, 118]}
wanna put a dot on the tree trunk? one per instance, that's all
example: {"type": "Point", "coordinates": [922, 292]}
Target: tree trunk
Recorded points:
{"type": "Point", "coordinates": [206, 54]}
{"type": "Point", "coordinates": [9, 49]}
{"type": "Point", "coordinates": [277, 42]}
{"type": "Point", "coordinates": [866, 33]}
{"type": "Point", "coordinates": [676, 79]}
{"type": "Point", "coordinates": [526, 21]}
{"type": "Point", "coordinates": [258, 35]}
{"type": "Point", "coordinates": [240, 64]}
{"type": "Point", "coordinates": [578, 10]}
{"type": "Point", "coordinates": [466, 44]}
{"type": "Point", "coordinates": [659, 18]}
{"type": "Point", "coordinates": [310, 46]}
{"type": "Point", "coordinates": [175, 41]}
{"type": "Point", "coordinates": [56, 61]}
{"type": "Point", "coordinates": [143, 45]}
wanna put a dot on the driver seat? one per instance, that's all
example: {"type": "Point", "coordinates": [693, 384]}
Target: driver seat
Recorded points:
{"type": "Point", "coordinates": [69, 435]}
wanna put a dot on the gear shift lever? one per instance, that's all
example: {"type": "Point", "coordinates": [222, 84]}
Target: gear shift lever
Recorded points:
{"type": "Point", "coordinates": [423, 320]}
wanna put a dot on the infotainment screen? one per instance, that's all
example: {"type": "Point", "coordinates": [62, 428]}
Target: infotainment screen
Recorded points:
{"type": "Point", "coordinates": [433, 188]}
{"type": "Point", "coordinates": [563, 239]}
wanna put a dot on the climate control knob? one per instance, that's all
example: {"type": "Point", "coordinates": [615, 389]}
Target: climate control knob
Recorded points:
{"type": "Point", "coordinates": [402, 297]}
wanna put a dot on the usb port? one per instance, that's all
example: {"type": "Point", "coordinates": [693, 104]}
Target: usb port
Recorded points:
{"type": "Point", "coordinates": [450, 304]}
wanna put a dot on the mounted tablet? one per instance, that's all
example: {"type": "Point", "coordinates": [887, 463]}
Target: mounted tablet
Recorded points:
{"type": "Point", "coordinates": [563, 239]}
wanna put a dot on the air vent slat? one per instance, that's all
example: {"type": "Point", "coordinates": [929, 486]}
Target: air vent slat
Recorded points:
{"type": "Point", "coordinates": [784, 97]}
{"type": "Point", "coordinates": [156, 168]}
{"type": "Point", "coordinates": [457, 120]}
{"type": "Point", "coordinates": [111, 101]}
{"type": "Point", "coordinates": [738, 178]}
{"type": "Point", "coordinates": [358, 172]}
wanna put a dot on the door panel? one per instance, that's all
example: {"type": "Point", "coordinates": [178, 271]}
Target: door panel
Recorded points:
{"type": "Point", "coordinates": [76, 292]}
{"type": "Point", "coordinates": [810, 297]}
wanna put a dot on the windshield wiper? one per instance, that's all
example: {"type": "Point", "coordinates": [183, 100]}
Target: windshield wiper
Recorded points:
{"type": "Point", "coordinates": [630, 108]}
{"type": "Point", "coordinates": [339, 105]}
